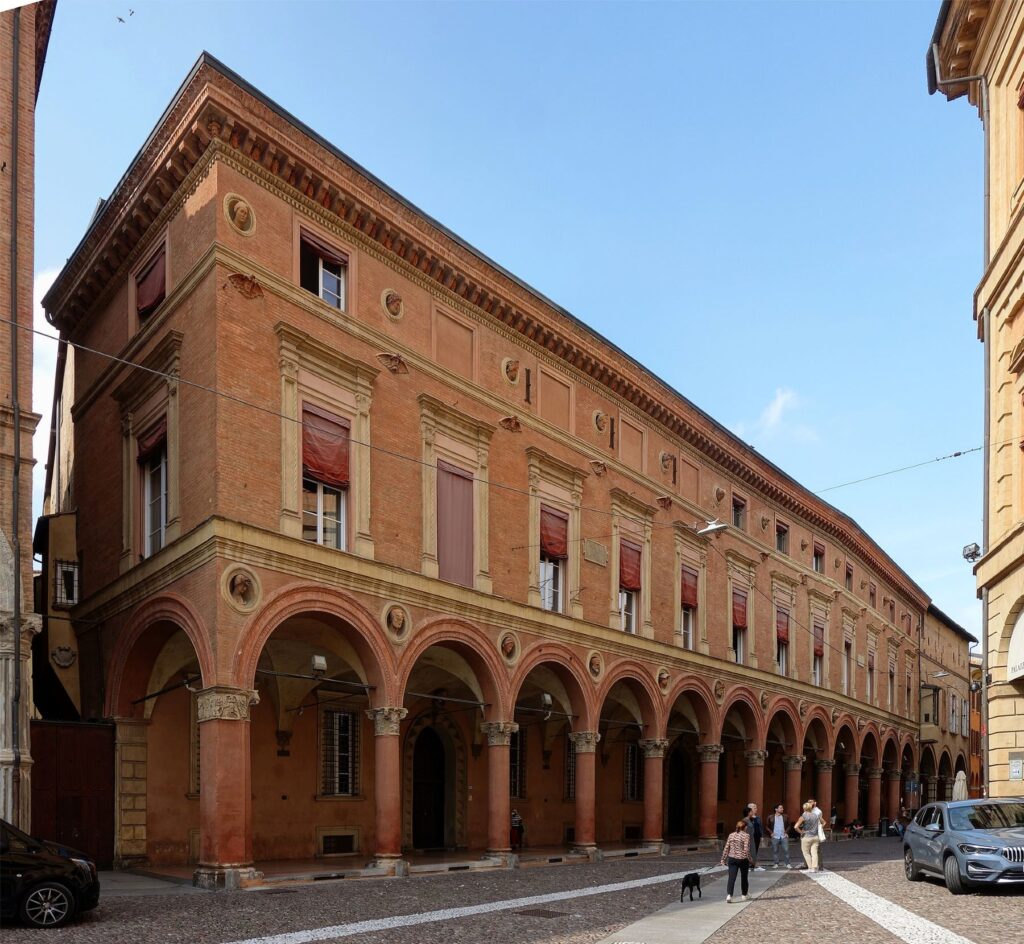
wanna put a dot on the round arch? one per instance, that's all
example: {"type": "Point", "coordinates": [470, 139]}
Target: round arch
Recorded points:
{"type": "Point", "coordinates": [783, 716]}
{"type": "Point", "coordinates": [639, 682]}
{"type": "Point", "coordinates": [701, 702]}
{"type": "Point", "coordinates": [568, 668]}
{"type": "Point", "coordinates": [744, 699]}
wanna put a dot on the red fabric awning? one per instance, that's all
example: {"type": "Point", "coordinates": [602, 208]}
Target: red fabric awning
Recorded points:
{"type": "Point", "coordinates": [153, 440]}
{"type": "Point", "coordinates": [324, 250]}
{"type": "Point", "coordinates": [739, 609]}
{"type": "Point", "coordinates": [782, 625]}
{"type": "Point", "coordinates": [151, 284]}
{"type": "Point", "coordinates": [688, 595]}
{"type": "Point", "coordinates": [325, 446]}
{"type": "Point", "coordinates": [629, 566]}
{"type": "Point", "coordinates": [554, 533]}
{"type": "Point", "coordinates": [819, 639]}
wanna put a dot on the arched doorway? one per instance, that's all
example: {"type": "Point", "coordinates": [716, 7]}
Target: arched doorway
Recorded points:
{"type": "Point", "coordinates": [433, 794]}
{"type": "Point", "coordinates": [929, 774]}
{"type": "Point", "coordinates": [739, 736]}
{"type": "Point", "coordinates": [847, 774]}
{"type": "Point", "coordinates": [689, 725]}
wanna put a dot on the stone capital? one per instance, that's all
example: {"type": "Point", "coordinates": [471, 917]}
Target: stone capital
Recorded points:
{"type": "Point", "coordinates": [221, 703]}
{"type": "Point", "coordinates": [584, 742]}
{"type": "Point", "coordinates": [793, 761]}
{"type": "Point", "coordinates": [709, 753]}
{"type": "Point", "coordinates": [851, 770]}
{"type": "Point", "coordinates": [824, 764]}
{"type": "Point", "coordinates": [894, 775]}
{"type": "Point", "coordinates": [875, 773]}
{"type": "Point", "coordinates": [911, 775]}
{"type": "Point", "coordinates": [499, 733]}
{"type": "Point", "coordinates": [31, 624]}
{"type": "Point", "coordinates": [654, 747]}
{"type": "Point", "coordinates": [386, 721]}
{"type": "Point", "coordinates": [755, 758]}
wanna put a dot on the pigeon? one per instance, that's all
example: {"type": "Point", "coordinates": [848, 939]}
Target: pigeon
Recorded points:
{"type": "Point", "coordinates": [120, 20]}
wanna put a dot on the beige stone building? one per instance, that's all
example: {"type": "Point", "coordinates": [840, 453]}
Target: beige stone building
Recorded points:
{"type": "Point", "coordinates": [977, 51]}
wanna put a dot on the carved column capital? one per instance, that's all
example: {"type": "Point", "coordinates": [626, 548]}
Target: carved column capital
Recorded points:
{"type": "Point", "coordinates": [221, 703]}
{"type": "Point", "coordinates": [851, 770]}
{"type": "Point", "coordinates": [793, 761]}
{"type": "Point", "coordinates": [31, 624]}
{"type": "Point", "coordinates": [756, 758]}
{"type": "Point", "coordinates": [893, 774]}
{"type": "Point", "coordinates": [584, 742]}
{"type": "Point", "coordinates": [911, 775]}
{"type": "Point", "coordinates": [386, 721]}
{"type": "Point", "coordinates": [826, 764]}
{"type": "Point", "coordinates": [654, 747]}
{"type": "Point", "coordinates": [499, 733]}
{"type": "Point", "coordinates": [709, 753]}
{"type": "Point", "coordinates": [875, 773]}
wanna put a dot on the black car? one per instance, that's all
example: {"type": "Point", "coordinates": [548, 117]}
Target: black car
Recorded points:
{"type": "Point", "coordinates": [44, 883]}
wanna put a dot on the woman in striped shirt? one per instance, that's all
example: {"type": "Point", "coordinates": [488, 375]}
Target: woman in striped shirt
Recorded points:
{"type": "Point", "coordinates": [736, 855]}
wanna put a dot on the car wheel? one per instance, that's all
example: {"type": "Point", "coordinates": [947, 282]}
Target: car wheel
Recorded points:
{"type": "Point", "coordinates": [910, 869]}
{"type": "Point", "coordinates": [954, 882]}
{"type": "Point", "coordinates": [47, 906]}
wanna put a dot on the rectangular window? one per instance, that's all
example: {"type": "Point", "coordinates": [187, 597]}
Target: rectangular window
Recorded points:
{"type": "Point", "coordinates": [847, 667]}
{"type": "Point", "coordinates": [517, 765]}
{"type": "Point", "coordinates": [739, 626]}
{"type": "Point", "coordinates": [872, 595]}
{"type": "Point", "coordinates": [892, 688]}
{"type": "Point", "coordinates": [554, 541]}
{"type": "Point", "coordinates": [629, 585]}
{"type": "Point", "coordinates": [818, 663]}
{"type": "Point", "coordinates": [892, 611]}
{"type": "Point", "coordinates": [340, 771]}
{"type": "Point", "coordinates": [818, 560]}
{"type": "Point", "coordinates": [739, 513]}
{"type": "Point", "coordinates": [849, 577]}
{"type": "Point", "coordinates": [781, 537]}
{"type": "Point", "coordinates": [818, 670]}
{"type": "Point", "coordinates": [569, 784]}
{"type": "Point", "coordinates": [907, 703]}
{"type": "Point", "coordinates": [454, 524]}
{"type": "Point", "coordinates": [151, 284]}
{"type": "Point", "coordinates": [633, 772]}
{"type": "Point", "coordinates": [322, 270]}
{"type": "Point", "coordinates": [953, 714]}
{"type": "Point", "coordinates": [65, 583]}
{"type": "Point", "coordinates": [871, 678]}
{"type": "Point", "coordinates": [965, 718]}
{"type": "Point", "coordinates": [782, 639]}
{"type": "Point", "coordinates": [325, 477]}
{"type": "Point", "coordinates": [155, 498]}
{"type": "Point", "coordinates": [688, 596]}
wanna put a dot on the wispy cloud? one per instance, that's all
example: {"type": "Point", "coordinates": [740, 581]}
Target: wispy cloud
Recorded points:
{"type": "Point", "coordinates": [778, 421]}
{"type": "Point", "coordinates": [44, 365]}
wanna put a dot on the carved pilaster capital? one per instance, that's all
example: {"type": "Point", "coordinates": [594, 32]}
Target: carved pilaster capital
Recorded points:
{"type": "Point", "coordinates": [793, 761]}
{"type": "Point", "coordinates": [386, 721]}
{"type": "Point", "coordinates": [584, 742]}
{"type": "Point", "coordinates": [289, 368]}
{"type": "Point", "coordinates": [654, 747]}
{"type": "Point", "coordinates": [875, 773]}
{"type": "Point", "coordinates": [499, 733]}
{"type": "Point", "coordinates": [756, 758]}
{"type": "Point", "coordinates": [851, 770]}
{"type": "Point", "coordinates": [826, 764]}
{"type": "Point", "coordinates": [709, 753]}
{"type": "Point", "coordinates": [221, 703]}
{"type": "Point", "coordinates": [894, 775]}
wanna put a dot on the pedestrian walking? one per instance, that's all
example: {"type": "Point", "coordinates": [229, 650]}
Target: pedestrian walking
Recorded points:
{"type": "Point", "coordinates": [778, 829]}
{"type": "Point", "coordinates": [756, 832]}
{"type": "Point", "coordinates": [807, 827]}
{"type": "Point", "coordinates": [736, 855]}
{"type": "Point", "coordinates": [821, 833]}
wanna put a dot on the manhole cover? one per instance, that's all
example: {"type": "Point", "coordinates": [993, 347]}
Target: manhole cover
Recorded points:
{"type": "Point", "coordinates": [541, 913]}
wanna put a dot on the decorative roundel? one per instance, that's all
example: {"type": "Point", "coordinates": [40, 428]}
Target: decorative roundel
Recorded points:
{"type": "Point", "coordinates": [391, 302]}
{"type": "Point", "coordinates": [509, 646]}
{"type": "Point", "coordinates": [239, 214]}
{"type": "Point", "coordinates": [241, 587]}
{"type": "Point", "coordinates": [510, 370]}
{"type": "Point", "coordinates": [595, 665]}
{"type": "Point", "coordinates": [396, 621]}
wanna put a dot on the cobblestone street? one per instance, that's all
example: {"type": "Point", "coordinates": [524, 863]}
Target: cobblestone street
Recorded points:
{"type": "Point", "coordinates": [794, 909]}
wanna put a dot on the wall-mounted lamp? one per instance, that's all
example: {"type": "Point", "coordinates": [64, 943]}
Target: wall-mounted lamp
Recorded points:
{"type": "Point", "coordinates": [318, 665]}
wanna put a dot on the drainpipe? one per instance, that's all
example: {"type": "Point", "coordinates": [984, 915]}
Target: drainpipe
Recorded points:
{"type": "Point", "coordinates": [16, 410]}
{"type": "Point", "coordinates": [986, 340]}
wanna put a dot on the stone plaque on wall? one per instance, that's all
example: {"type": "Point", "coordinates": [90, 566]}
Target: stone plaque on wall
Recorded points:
{"type": "Point", "coordinates": [595, 552]}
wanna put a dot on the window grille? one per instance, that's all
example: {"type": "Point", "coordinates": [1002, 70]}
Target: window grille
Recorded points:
{"type": "Point", "coordinates": [570, 769]}
{"type": "Point", "coordinates": [517, 765]}
{"type": "Point", "coordinates": [194, 735]}
{"type": "Point", "coordinates": [65, 583]}
{"type": "Point", "coordinates": [340, 768]}
{"type": "Point", "coordinates": [633, 773]}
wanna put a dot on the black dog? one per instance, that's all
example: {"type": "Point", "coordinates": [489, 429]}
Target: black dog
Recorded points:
{"type": "Point", "coordinates": [691, 881]}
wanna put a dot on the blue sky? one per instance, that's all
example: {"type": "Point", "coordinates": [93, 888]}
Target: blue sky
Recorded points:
{"type": "Point", "coordinates": [758, 201]}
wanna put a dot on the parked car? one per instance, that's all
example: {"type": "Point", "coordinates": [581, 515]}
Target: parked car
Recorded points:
{"type": "Point", "coordinates": [44, 883]}
{"type": "Point", "coordinates": [969, 843]}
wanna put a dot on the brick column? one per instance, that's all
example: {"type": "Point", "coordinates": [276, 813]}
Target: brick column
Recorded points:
{"type": "Point", "coordinates": [755, 780]}
{"type": "Point", "coordinates": [874, 811]}
{"type": "Point", "coordinates": [709, 754]}
{"type": "Point", "coordinates": [654, 764]}
{"type": "Point", "coordinates": [910, 797]}
{"type": "Point", "coordinates": [892, 801]}
{"type": "Point", "coordinates": [584, 744]}
{"type": "Point", "coordinates": [225, 789]}
{"type": "Point", "coordinates": [794, 764]}
{"type": "Point", "coordinates": [823, 787]}
{"type": "Point", "coordinates": [852, 793]}
{"type": "Point", "coordinates": [387, 781]}
{"type": "Point", "coordinates": [130, 756]}
{"type": "Point", "coordinates": [499, 806]}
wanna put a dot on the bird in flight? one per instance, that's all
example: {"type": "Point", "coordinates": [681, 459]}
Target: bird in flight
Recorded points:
{"type": "Point", "coordinates": [120, 20]}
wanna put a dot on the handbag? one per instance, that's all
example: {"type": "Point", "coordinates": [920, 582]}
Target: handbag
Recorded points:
{"type": "Point", "coordinates": [821, 831]}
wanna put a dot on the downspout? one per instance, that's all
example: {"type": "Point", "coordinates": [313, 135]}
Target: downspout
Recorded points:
{"type": "Point", "coordinates": [16, 410]}
{"type": "Point", "coordinates": [986, 340]}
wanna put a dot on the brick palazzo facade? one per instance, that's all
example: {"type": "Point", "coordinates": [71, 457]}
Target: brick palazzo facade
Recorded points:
{"type": "Point", "coordinates": [437, 552]}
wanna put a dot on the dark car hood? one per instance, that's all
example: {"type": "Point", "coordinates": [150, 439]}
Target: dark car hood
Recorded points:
{"type": "Point", "coordinates": [65, 852]}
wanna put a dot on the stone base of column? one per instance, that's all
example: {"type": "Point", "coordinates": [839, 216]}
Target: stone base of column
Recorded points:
{"type": "Point", "coordinates": [390, 865]}
{"type": "Point", "coordinates": [590, 851]}
{"type": "Point", "coordinates": [503, 858]}
{"type": "Point", "coordinates": [226, 878]}
{"type": "Point", "coordinates": [709, 842]}
{"type": "Point", "coordinates": [656, 846]}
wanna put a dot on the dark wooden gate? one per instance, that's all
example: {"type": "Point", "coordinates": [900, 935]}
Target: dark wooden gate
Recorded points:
{"type": "Point", "coordinates": [73, 786]}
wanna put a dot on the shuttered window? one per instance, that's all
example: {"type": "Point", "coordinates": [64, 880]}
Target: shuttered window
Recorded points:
{"type": "Point", "coordinates": [632, 772]}
{"type": "Point", "coordinates": [517, 765]}
{"type": "Point", "coordinates": [570, 769]}
{"type": "Point", "coordinates": [339, 774]}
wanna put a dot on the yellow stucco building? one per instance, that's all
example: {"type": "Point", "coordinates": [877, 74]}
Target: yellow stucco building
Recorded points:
{"type": "Point", "coordinates": [977, 50]}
